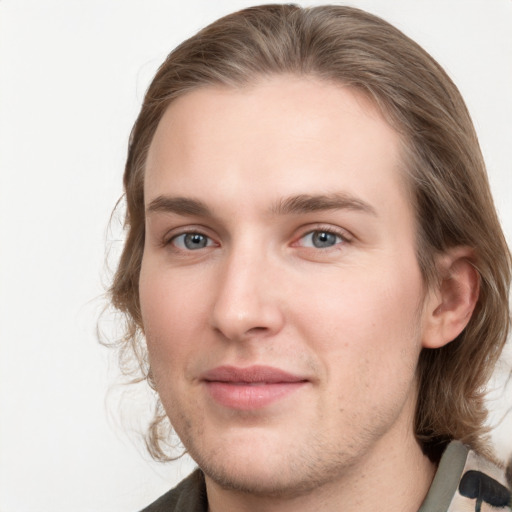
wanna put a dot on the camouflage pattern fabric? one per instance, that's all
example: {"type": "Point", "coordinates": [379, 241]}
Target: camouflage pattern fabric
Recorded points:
{"type": "Point", "coordinates": [467, 482]}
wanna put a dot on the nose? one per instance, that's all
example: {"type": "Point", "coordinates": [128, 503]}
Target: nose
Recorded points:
{"type": "Point", "coordinates": [247, 301]}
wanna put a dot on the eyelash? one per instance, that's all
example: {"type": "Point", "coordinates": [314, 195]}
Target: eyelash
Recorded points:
{"type": "Point", "coordinates": [171, 241]}
{"type": "Point", "coordinates": [327, 230]}
{"type": "Point", "coordinates": [343, 236]}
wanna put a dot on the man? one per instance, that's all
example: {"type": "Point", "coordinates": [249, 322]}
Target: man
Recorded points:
{"type": "Point", "coordinates": [316, 268]}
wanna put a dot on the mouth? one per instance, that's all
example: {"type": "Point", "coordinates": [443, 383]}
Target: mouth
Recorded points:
{"type": "Point", "coordinates": [250, 388]}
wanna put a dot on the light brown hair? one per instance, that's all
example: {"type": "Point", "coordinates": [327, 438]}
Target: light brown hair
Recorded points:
{"type": "Point", "coordinates": [442, 159]}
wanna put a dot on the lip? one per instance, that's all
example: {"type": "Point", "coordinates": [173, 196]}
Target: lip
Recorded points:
{"type": "Point", "coordinates": [249, 388]}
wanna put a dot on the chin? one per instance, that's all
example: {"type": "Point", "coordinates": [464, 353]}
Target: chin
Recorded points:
{"type": "Point", "coordinates": [268, 467]}
{"type": "Point", "coordinates": [266, 481]}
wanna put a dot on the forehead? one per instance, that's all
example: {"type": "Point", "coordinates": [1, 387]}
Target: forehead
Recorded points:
{"type": "Point", "coordinates": [281, 136]}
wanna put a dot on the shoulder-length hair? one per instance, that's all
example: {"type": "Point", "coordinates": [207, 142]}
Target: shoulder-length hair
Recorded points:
{"type": "Point", "coordinates": [442, 159]}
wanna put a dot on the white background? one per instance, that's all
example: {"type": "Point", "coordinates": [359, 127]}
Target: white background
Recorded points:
{"type": "Point", "coordinates": [72, 77]}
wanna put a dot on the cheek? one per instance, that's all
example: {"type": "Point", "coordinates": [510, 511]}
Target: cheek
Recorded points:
{"type": "Point", "coordinates": [367, 322]}
{"type": "Point", "coordinates": [171, 314]}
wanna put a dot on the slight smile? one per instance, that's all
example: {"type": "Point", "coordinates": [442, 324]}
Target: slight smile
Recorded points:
{"type": "Point", "coordinates": [249, 388]}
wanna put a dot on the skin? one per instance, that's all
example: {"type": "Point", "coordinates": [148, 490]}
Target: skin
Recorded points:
{"type": "Point", "coordinates": [255, 287]}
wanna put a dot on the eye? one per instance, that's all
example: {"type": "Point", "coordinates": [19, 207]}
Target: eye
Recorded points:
{"type": "Point", "coordinates": [191, 241]}
{"type": "Point", "coordinates": [321, 239]}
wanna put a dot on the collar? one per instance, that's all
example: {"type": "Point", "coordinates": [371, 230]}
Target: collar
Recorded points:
{"type": "Point", "coordinates": [467, 482]}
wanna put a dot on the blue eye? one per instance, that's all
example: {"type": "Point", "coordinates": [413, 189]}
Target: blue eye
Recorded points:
{"type": "Point", "coordinates": [191, 241]}
{"type": "Point", "coordinates": [321, 239]}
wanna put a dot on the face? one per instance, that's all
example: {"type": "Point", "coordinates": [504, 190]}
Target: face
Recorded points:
{"type": "Point", "coordinates": [280, 292]}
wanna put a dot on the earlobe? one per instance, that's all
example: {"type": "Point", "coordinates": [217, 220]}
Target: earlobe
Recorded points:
{"type": "Point", "coordinates": [448, 307]}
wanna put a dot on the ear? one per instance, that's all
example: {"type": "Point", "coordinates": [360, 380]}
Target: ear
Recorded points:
{"type": "Point", "coordinates": [451, 302]}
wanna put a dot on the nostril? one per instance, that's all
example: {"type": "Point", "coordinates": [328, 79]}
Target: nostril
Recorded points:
{"type": "Point", "coordinates": [257, 329]}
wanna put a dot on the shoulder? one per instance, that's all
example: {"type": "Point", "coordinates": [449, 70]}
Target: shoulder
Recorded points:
{"type": "Point", "coordinates": [188, 496]}
{"type": "Point", "coordinates": [467, 481]}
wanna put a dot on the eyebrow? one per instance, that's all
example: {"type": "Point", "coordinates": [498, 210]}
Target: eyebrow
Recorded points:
{"type": "Point", "coordinates": [305, 203]}
{"type": "Point", "coordinates": [299, 204]}
{"type": "Point", "coordinates": [178, 205]}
